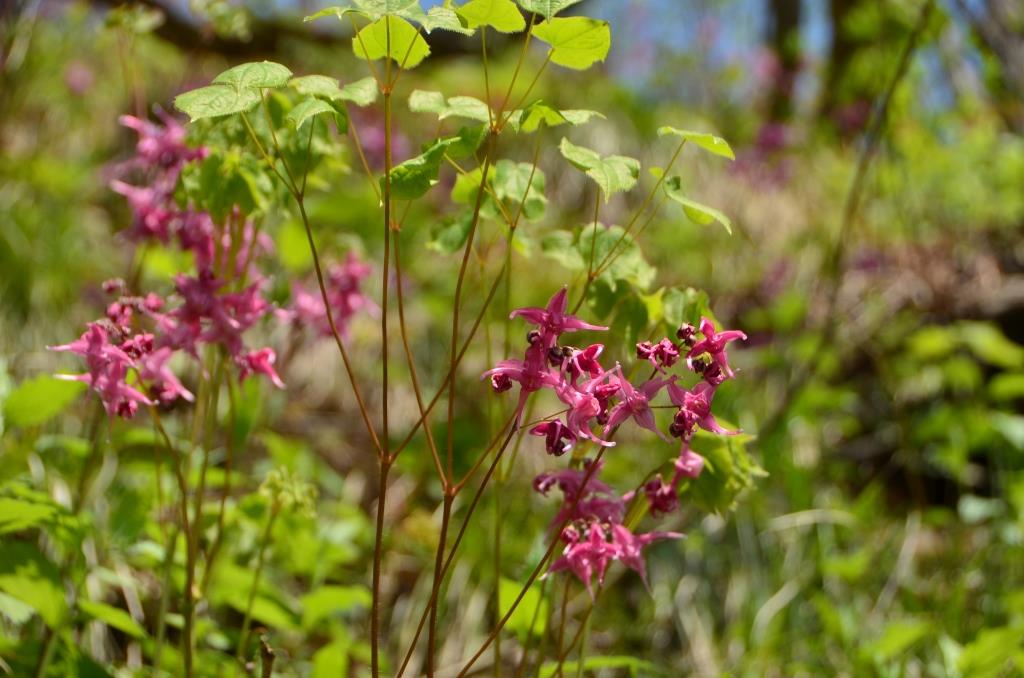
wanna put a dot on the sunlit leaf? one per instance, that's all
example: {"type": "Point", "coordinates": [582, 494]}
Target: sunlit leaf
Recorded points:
{"type": "Point", "coordinates": [113, 617]}
{"type": "Point", "coordinates": [709, 142]}
{"type": "Point", "coordinates": [576, 42]}
{"type": "Point", "coordinates": [361, 92]}
{"type": "Point", "coordinates": [394, 38]}
{"type": "Point", "coordinates": [414, 177]}
{"type": "Point", "coordinates": [546, 8]}
{"type": "Point", "coordinates": [37, 400]}
{"type": "Point", "coordinates": [697, 212]}
{"type": "Point", "coordinates": [501, 15]}
{"type": "Point", "coordinates": [254, 75]}
{"type": "Point", "coordinates": [28, 576]}
{"type": "Point", "coordinates": [214, 101]}
{"type": "Point", "coordinates": [613, 173]}
{"type": "Point", "coordinates": [325, 601]}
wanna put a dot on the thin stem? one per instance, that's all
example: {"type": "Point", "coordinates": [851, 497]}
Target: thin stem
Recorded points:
{"type": "Point", "coordinates": [412, 365]}
{"type": "Point", "coordinates": [378, 539]}
{"type": "Point", "coordinates": [561, 622]}
{"type": "Point", "coordinates": [442, 540]}
{"type": "Point", "coordinates": [487, 77]}
{"type": "Point", "coordinates": [243, 639]}
{"type": "Point", "coordinates": [458, 540]}
{"type": "Point", "coordinates": [536, 570]}
{"type": "Point", "coordinates": [457, 303]}
{"type": "Point", "coordinates": [518, 68]}
{"type": "Point", "coordinates": [229, 456]}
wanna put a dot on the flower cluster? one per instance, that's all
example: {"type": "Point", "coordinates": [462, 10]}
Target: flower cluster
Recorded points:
{"type": "Point", "coordinates": [344, 292]}
{"type": "Point", "coordinates": [128, 352]}
{"type": "Point", "coordinates": [594, 396]}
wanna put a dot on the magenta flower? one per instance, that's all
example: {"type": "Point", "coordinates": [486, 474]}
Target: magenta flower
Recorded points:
{"type": "Point", "coordinates": [558, 439]}
{"type": "Point", "coordinates": [635, 404]}
{"type": "Point", "coordinates": [714, 344]}
{"type": "Point", "coordinates": [260, 362]}
{"type": "Point", "coordinates": [344, 292]}
{"type": "Point", "coordinates": [689, 464]}
{"type": "Point", "coordinates": [663, 354]}
{"type": "Point", "coordinates": [580, 362]}
{"type": "Point", "coordinates": [553, 320]}
{"type": "Point", "coordinates": [531, 374]}
{"type": "Point", "coordinates": [694, 410]}
{"type": "Point", "coordinates": [154, 370]}
{"type": "Point", "coordinates": [588, 557]}
{"type": "Point", "coordinates": [661, 496]}
{"type": "Point", "coordinates": [583, 407]}
{"type": "Point", "coordinates": [107, 374]}
{"type": "Point", "coordinates": [629, 547]}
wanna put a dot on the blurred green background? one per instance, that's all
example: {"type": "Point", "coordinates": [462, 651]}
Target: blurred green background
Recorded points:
{"type": "Point", "coordinates": [883, 378]}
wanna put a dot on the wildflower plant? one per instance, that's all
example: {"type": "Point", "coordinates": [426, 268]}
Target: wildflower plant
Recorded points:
{"type": "Point", "coordinates": [261, 140]}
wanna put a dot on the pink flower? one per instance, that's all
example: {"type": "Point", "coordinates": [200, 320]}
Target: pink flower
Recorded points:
{"type": "Point", "coordinates": [260, 362]}
{"type": "Point", "coordinates": [554, 433]}
{"type": "Point", "coordinates": [154, 370]}
{"type": "Point", "coordinates": [531, 374]}
{"type": "Point", "coordinates": [587, 557]}
{"type": "Point", "coordinates": [663, 354]}
{"type": "Point", "coordinates": [689, 464]}
{"type": "Point", "coordinates": [635, 404]}
{"type": "Point", "coordinates": [661, 496]}
{"type": "Point", "coordinates": [714, 344]}
{"type": "Point", "coordinates": [344, 292]}
{"type": "Point", "coordinates": [553, 320]}
{"type": "Point", "coordinates": [629, 547]}
{"type": "Point", "coordinates": [694, 410]}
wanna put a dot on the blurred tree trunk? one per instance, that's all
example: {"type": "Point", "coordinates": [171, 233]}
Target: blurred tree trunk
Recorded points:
{"type": "Point", "coordinates": [784, 39]}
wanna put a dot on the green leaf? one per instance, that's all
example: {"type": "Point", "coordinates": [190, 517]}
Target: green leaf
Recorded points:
{"type": "Point", "coordinates": [709, 142]}
{"type": "Point", "coordinates": [898, 637]}
{"type": "Point", "coordinates": [685, 306]}
{"type": "Point", "coordinates": [697, 212]}
{"type": "Point", "coordinates": [530, 614]}
{"type": "Point", "coordinates": [327, 601]}
{"type": "Point", "coordinates": [1007, 386]}
{"type": "Point", "coordinates": [331, 660]}
{"type": "Point", "coordinates": [407, 47]}
{"type": "Point", "coordinates": [317, 86]}
{"type": "Point", "coordinates": [576, 42]}
{"type": "Point", "coordinates": [414, 177]}
{"type": "Point", "coordinates": [540, 113]}
{"type": "Point", "coordinates": [15, 610]}
{"type": "Point", "coordinates": [422, 101]}
{"type": "Point", "coordinates": [501, 15]}
{"type": "Point", "coordinates": [19, 514]}
{"type": "Point", "coordinates": [361, 92]}
{"type": "Point", "coordinates": [310, 107]}
{"type": "Point", "coordinates": [444, 18]}
{"type": "Point", "coordinates": [546, 8]}
{"type": "Point", "coordinates": [214, 101]}
{"type": "Point", "coordinates": [988, 343]}
{"type": "Point", "coordinates": [628, 263]}
{"type": "Point", "coordinates": [467, 141]}
{"type": "Point", "coordinates": [26, 575]}
{"type": "Point", "coordinates": [451, 234]}
{"type": "Point", "coordinates": [613, 173]}
{"type": "Point", "coordinates": [510, 183]}
{"type": "Point", "coordinates": [113, 617]}
{"type": "Point", "coordinates": [373, 9]}
{"type": "Point", "coordinates": [39, 399]}
{"type": "Point", "coordinates": [560, 246]}
{"type": "Point", "coordinates": [254, 75]}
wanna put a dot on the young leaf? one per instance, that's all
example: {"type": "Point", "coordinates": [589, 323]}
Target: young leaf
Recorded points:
{"type": "Point", "coordinates": [467, 141]}
{"type": "Point", "coordinates": [338, 12]}
{"type": "Point", "coordinates": [540, 113]}
{"type": "Point", "coordinates": [560, 246]}
{"type": "Point", "coordinates": [373, 9]}
{"type": "Point", "coordinates": [698, 213]}
{"type": "Point", "coordinates": [510, 183]}
{"type": "Point", "coordinates": [311, 106]}
{"type": "Point", "coordinates": [113, 617]}
{"type": "Point", "coordinates": [317, 86]}
{"type": "Point", "coordinates": [444, 18]}
{"type": "Point", "coordinates": [414, 177]}
{"type": "Point", "coordinates": [214, 101]}
{"type": "Point", "coordinates": [361, 92]}
{"type": "Point", "coordinates": [254, 76]}
{"type": "Point", "coordinates": [709, 142]}
{"type": "Point", "coordinates": [546, 8]}
{"type": "Point", "coordinates": [576, 42]}
{"type": "Point", "coordinates": [501, 15]}
{"type": "Point", "coordinates": [39, 399]}
{"type": "Point", "coordinates": [421, 101]}
{"type": "Point", "coordinates": [407, 47]}
{"type": "Point", "coordinates": [613, 173]}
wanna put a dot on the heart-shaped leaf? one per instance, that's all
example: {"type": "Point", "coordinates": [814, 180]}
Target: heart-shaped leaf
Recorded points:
{"type": "Point", "coordinates": [576, 42]}
{"type": "Point", "coordinates": [612, 174]}
{"type": "Point", "coordinates": [709, 142]}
